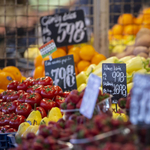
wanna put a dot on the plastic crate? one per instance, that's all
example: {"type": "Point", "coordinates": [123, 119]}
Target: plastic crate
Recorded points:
{"type": "Point", "coordinates": [5, 141]}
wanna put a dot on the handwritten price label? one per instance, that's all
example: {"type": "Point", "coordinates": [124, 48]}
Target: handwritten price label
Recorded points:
{"type": "Point", "coordinates": [62, 71]}
{"type": "Point", "coordinates": [114, 80]}
{"type": "Point", "coordinates": [65, 28]}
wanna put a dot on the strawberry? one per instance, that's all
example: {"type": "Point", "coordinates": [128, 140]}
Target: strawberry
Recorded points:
{"type": "Point", "coordinates": [69, 123]}
{"type": "Point", "coordinates": [55, 132]}
{"type": "Point", "coordinates": [70, 105]}
{"type": "Point", "coordinates": [74, 98]}
{"type": "Point", "coordinates": [63, 105]}
{"type": "Point", "coordinates": [79, 104]}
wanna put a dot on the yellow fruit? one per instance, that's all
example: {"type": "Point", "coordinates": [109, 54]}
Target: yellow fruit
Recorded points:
{"type": "Point", "coordinates": [82, 65]}
{"type": "Point", "coordinates": [28, 130]}
{"type": "Point", "coordinates": [38, 61]}
{"type": "Point", "coordinates": [74, 49]}
{"type": "Point", "coordinates": [58, 53]}
{"type": "Point", "coordinates": [87, 52]}
{"type": "Point", "coordinates": [117, 29]}
{"type": "Point", "coordinates": [1, 90]}
{"type": "Point", "coordinates": [5, 79]}
{"type": "Point", "coordinates": [35, 128]}
{"type": "Point", "coordinates": [38, 72]}
{"type": "Point", "coordinates": [55, 111]}
{"type": "Point", "coordinates": [14, 71]}
{"type": "Point", "coordinates": [76, 56]}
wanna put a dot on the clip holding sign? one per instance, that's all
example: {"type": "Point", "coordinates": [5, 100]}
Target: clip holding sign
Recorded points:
{"type": "Point", "coordinates": [50, 58]}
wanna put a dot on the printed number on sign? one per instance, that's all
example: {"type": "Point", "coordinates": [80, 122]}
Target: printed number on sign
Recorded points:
{"type": "Point", "coordinates": [118, 76]}
{"type": "Point", "coordinates": [74, 30]}
{"type": "Point", "coordinates": [119, 88]}
{"type": "Point", "coordinates": [64, 74]}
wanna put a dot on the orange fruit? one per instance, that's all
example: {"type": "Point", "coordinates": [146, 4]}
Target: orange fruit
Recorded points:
{"type": "Point", "coordinates": [75, 56]}
{"type": "Point", "coordinates": [44, 59]}
{"type": "Point", "coordinates": [23, 78]}
{"type": "Point", "coordinates": [131, 29]}
{"type": "Point", "coordinates": [82, 65]}
{"type": "Point", "coordinates": [5, 79]}
{"type": "Point", "coordinates": [76, 70]}
{"type": "Point", "coordinates": [14, 71]}
{"type": "Point", "coordinates": [138, 20]}
{"type": "Point", "coordinates": [1, 90]}
{"type": "Point", "coordinates": [125, 19]}
{"type": "Point", "coordinates": [87, 52]}
{"type": "Point", "coordinates": [117, 29]}
{"type": "Point", "coordinates": [117, 37]}
{"type": "Point", "coordinates": [38, 61]}
{"type": "Point", "coordinates": [97, 59]}
{"type": "Point", "coordinates": [146, 24]}
{"type": "Point", "coordinates": [66, 48]}
{"type": "Point", "coordinates": [146, 14]}
{"type": "Point", "coordinates": [96, 53]}
{"type": "Point", "coordinates": [86, 69]}
{"type": "Point", "coordinates": [38, 72]}
{"type": "Point", "coordinates": [58, 53]}
{"type": "Point", "coordinates": [74, 49]}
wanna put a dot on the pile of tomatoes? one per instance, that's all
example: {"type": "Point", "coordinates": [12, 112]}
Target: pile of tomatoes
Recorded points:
{"type": "Point", "coordinates": [18, 101]}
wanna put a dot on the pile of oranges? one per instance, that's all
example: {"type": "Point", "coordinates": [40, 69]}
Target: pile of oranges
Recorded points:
{"type": "Point", "coordinates": [83, 57]}
{"type": "Point", "coordinates": [129, 25]}
{"type": "Point", "coordinates": [7, 75]}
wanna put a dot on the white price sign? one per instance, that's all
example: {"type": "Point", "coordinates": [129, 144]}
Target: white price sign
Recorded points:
{"type": "Point", "coordinates": [90, 96]}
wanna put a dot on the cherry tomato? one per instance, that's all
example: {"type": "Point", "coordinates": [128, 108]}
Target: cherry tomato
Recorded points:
{"type": "Point", "coordinates": [1, 113]}
{"type": "Point", "coordinates": [42, 111]}
{"type": "Point", "coordinates": [5, 94]}
{"type": "Point", "coordinates": [22, 97]}
{"type": "Point", "coordinates": [16, 121]}
{"type": "Point", "coordinates": [24, 109]}
{"type": "Point", "coordinates": [13, 106]}
{"type": "Point", "coordinates": [47, 104]}
{"type": "Point", "coordinates": [59, 100]}
{"type": "Point", "coordinates": [46, 81]}
{"type": "Point", "coordinates": [11, 130]}
{"type": "Point", "coordinates": [5, 108]}
{"type": "Point", "coordinates": [13, 85]}
{"type": "Point", "coordinates": [1, 129]}
{"type": "Point", "coordinates": [35, 89]}
{"type": "Point", "coordinates": [0, 95]}
{"type": "Point", "coordinates": [51, 91]}
{"type": "Point", "coordinates": [33, 98]}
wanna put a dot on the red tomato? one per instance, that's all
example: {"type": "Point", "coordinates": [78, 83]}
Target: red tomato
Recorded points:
{"type": "Point", "coordinates": [5, 94]}
{"type": "Point", "coordinates": [4, 128]}
{"type": "Point", "coordinates": [16, 95]}
{"type": "Point", "coordinates": [36, 81]}
{"type": "Point", "coordinates": [1, 113]}
{"type": "Point", "coordinates": [2, 104]}
{"type": "Point", "coordinates": [50, 91]}
{"type": "Point", "coordinates": [0, 95]}
{"type": "Point", "coordinates": [7, 119]}
{"type": "Point", "coordinates": [31, 80]}
{"type": "Point", "coordinates": [24, 109]}
{"type": "Point", "coordinates": [2, 121]}
{"type": "Point", "coordinates": [65, 94]}
{"type": "Point", "coordinates": [11, 130]}
{"type": "Point", "coordinates": [47, 104]}
{"type": "Point", "coordinates": [16, 121]}
{"type": "Point", "coordinates": [42, 111]}
{"type": "Point", "coordinates": [13, 85]}
{"type": "Point", "coordinates": [33, 98]}
{"type": "Point", "coordinates": [59, 100]}
{"type": "Point", "coordinates": [35, 89]}
{"type": "Point", "coordinates": [22, 97]}
{"type": "Point", "coordinates": [46, 81]}
{"type": "Point", "coordinates": [5, 108]}
{"type": "Point", "coordinates": [13, 106]}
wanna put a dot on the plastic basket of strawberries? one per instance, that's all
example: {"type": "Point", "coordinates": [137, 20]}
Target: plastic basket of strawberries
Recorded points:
{"type": "Point", "coordinates": [74, 99]}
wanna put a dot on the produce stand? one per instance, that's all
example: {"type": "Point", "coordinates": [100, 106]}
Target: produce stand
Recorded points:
{"type": "Point", "coordinates": [74, 74]}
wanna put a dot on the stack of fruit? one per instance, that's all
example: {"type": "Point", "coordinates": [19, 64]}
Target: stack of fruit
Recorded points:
{"type": "Point", "coordinates": [133, 65]}
{"type": "Point", "coordinates": [83, 57]}
{"type": "Point", "coordinates": [125, 31]}
{"type": "Point", "coordinates": [20, 99]}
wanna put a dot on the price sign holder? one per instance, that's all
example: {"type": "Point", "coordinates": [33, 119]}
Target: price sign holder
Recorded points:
{"type": "Point", "coordinates": [62, 71]}
{"type": "Point", "coordinates": [47, 49]}
{"type": "Point", "coordinates": [65, 28]}
{"type": "Point", "coordinates": [114, 80]}
{"type": "Point", "coordinates": [140, 100]}
{"type": "Point", "coordinates": [90, 96]}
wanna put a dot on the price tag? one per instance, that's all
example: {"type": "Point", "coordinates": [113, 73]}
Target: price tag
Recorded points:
{"type": "Point", "coordinates": [114, 80]}
{"type": "Point", "coordinates": [65, 28]}
{"type": "Point", "coordinates": [140, 100]}
{"type": "Point", "coordinates": [48, 48]}
{"type": "Point", "coordinates": [90, 96]}
{"type": "Point", "coordinates": [62, 71]}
